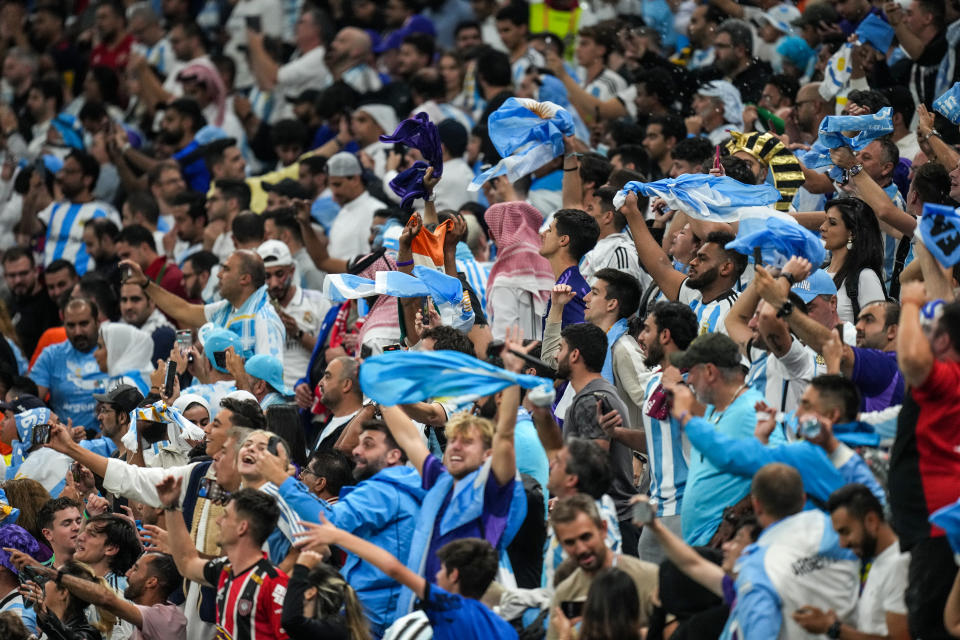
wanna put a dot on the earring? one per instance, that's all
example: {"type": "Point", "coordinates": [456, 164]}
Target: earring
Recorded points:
{"type": "Point", "coordinates": [850, 243]}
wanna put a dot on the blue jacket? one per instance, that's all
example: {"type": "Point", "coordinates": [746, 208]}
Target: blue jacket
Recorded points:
{"type": "Point", "coordinates": [746, 456]}
{"type": "Point", "coordinates": [382, 510]}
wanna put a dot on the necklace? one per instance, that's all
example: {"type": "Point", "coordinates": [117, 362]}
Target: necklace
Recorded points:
{"type": "Point", "coordinates": [719, 416]}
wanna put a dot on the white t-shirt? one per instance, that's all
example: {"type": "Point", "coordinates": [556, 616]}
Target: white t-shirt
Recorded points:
{"type": "Point", "coordinates": [350, 230]}
{"type": "Point", "coordinates": [870, 290]}
{"type": "Point", "coordinates": [615, 251]}
{"type": "Point", "coordinates": [332, 426]}
{"type": "Point", "coordinates": [308, 308]}
{"type": "Point", "coordinates": [884, 591]}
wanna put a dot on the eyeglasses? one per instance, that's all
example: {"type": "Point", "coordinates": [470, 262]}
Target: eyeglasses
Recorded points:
{"type": "Point", "coordinates": [305, 471]}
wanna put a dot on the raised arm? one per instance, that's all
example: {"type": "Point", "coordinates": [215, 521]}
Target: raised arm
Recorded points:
{"type": "Point", "coordinates": [318, 535]}
{"type": "Point", "coordinates": [263, 66]}
{"type": "Point", "coordinates": [901, 222]}
{"type": "Point", "coordinates": [97, 595]}
{"type": "Point", "coordinates": [407, 435]}
{"type": "Point", "coordinates": [315, 245]}
{"type": "Point", "coordinates": [913, 349]}
{"type": "Point", "coordinates": [739, 317]}
{"type": "Point", "coordinates": [188, 560]}
{"type": "Point", "coordinates": [654, 259]}
{"type": "Point", "coordinates": [813, 334]}
{"type": "Point", "coordinates": [691, 563]}
{"type": "Point", "coordinates": [184, 313]}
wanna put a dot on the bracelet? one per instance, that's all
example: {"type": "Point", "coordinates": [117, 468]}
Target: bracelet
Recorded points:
{"type": "Point", "coordinates": [174, 506]}
{"type": "Point", "coordinates": [406, 263]}
{"type": "Point", "coordinates": [573, 169]}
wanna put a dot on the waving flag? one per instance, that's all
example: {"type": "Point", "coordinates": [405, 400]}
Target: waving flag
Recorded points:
{"type": "Point", "coordinates": [777, 240]}
{"type": "Point", "coordinates": [940, 231]}
{"type": "Point", "coordinates": [528, 134]}
{"type": "Point", "coordinates": [179, 428]}
{"type": "Point", "coordinates": [871, 126]}
{"type": "Point", "coordinates": [948, 519]}
{"type": "Point", "coordinates": [948, 104]}
{"type": "Point", "coordinates": [837, 73]}
{"type": "Point", "coordinates": [421, 134]}
{"type": "Point", "coordinates": [403, 377]}
{"type": "Point", "coordinates": [714, 198]}
{"type": "Point", "coordinates": [340, 287]}
{"type": "Point", "coordinates": [876, 32]}
{"type": "Point", "coordinates": [427, 246]}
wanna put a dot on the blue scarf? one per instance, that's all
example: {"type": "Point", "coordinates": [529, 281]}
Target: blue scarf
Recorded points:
{"type": "Point", "coordinates": [466, 505]}
{"type": "Point", "coordinates": [616, 331]}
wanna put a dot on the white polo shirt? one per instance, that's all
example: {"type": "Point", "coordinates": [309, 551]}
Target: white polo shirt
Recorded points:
{"type": "Point", "coordinates": [308, 308]}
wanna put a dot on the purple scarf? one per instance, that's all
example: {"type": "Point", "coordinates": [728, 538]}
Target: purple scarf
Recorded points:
{"type": "Point", "coordinates": [421, 134]}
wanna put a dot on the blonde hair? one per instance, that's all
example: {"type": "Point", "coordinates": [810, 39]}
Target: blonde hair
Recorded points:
{"type": "Point", "coordinates": [106, 620]}
{"type": "Point", "coordinates": [461, 423]}
{"type": "Point", "coordinates": [334, 595]}
{"type": "Point", "coordinates": [7, 328]}
{"type": "Point", "coordinates": [29, 496]}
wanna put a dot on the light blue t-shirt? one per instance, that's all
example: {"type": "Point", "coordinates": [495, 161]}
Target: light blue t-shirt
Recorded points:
{"type": "Point", "coordinates": [709, 490]}
{"type": "Point", "coordinates": [72, 378]}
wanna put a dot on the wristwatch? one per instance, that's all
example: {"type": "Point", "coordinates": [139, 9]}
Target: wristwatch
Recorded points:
{"type": "Point", "coordinates": [786, 275]}
{"type": "Point", "coordinates": [785, 310]}
{"type": "Point", "coordinates": [933, 132]}
{"type": "Point", "coordinates": [854, 170]}
{"type": "Point", "coordinates": [834, 630]}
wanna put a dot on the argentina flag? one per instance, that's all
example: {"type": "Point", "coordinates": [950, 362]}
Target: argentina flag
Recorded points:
{"type": "Point", "coordinates": [838, 72]}
{"type": "Point", "coordinates": [527, 134]}
{"type": "Point", "coordinates": [778, 239]}
{"type": "Point", "coordinates": [948, 104]}
{"type": "Point", "coordinates": [870, 127]}
{"type": "Point", "coordinates": [702, 196]}
{"type": "Point", "coordinates": [405, 377]}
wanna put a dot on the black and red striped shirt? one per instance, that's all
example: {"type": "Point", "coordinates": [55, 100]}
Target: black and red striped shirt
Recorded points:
{"type": "Point", "coordinates": [249, 603]}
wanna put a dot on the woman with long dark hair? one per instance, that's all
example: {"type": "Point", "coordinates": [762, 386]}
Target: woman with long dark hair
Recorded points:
{"type": "Point", "coordinates": [851, 234]}
{"type": "Point", "coordinates": [611, 612]}
{"type": "Point", "coordinates": [62, 615]}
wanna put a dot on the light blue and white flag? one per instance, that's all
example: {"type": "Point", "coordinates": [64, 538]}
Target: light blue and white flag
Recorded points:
{"type": "Point", "coordinates": [939, 229]}
{"type": "Point", "coordinates": [340, 287]}
{"type": "Point", "coordinates": [948, 519]}
{"type": "Point", "coordinates": [870, 127]}
{"type": "Point", "coordinates": [777, 240]}
{"type": "Point", "coordinates": [876, 32]}
{"type": "Point", "coordinates": [838, 71]}
{"type": "Point", "coordinates": [706, 197]}
{"type": "Point", "coordinates": [528, 134]}
{"type": "Point", "coordinates": [948, 104]}
{"type": "Point", "coordinates": [404, 377]}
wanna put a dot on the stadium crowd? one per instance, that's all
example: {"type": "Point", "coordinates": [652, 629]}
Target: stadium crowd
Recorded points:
{"type": "Point", "coordinates": [564, 319]}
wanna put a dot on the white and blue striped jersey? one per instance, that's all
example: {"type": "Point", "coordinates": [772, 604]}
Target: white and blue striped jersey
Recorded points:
{"type": "Point", "coordinates": [668, 454]}
{"type": "Point", "coordinates": [609, 84]}
{"type": "Point", "coordinates": [710, 315]}
{"type": "Point", "coordinates": [13, 602]}
{"type": "Point", "coordinates": [160, 56]}
{"type": "Point", "coordinates": [477, 274]}
{"type": "Point", "coordinates": [64, 222]}
{"type": "Point", "coordinates": [890, 243]}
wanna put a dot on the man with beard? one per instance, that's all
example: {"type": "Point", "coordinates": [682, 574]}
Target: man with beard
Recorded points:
{"type": "Point", "coordinates": [734, 61]}
{"type": "Point", "coordinates": [581, 532]}
{"type": "Point", "coordinates": [113, 42]}
{"type": "Point", "coordinates": [68, 370]}
{"type": "Point", "coordinates": [347, 60]}
{"type": "Point", "coordinates": [245, 309]}
{"type": "Point", "coordinates": [137, 310]}
{"type": "Point", "coordinates": [181, 120]}
{"type": "Point", "coordinates": [708, 286]}
{"type": "Point", "coordinates": [583, 349]}
{"type": "Point", "coordinates": [340, 393]}
{"type": "Point", "coordinates": [859, 521]}
{"type": "Point", "coordinates": [65, 220]}
{"type": "Point", "coordinates": [113, 414]}
{"type": "Point", "coordinates": [382, 508]}
{"type": "Point", "coordinates": [144, 604]}
{"type": "Point", "coordinates": [668, 328]}
{"type": "Point", "coordinates": [31, 309]}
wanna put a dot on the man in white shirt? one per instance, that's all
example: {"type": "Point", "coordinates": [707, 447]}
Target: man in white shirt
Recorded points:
{"type": "Point", "coordinates": [614, 248]}
{"type": "Point", "coordinates": [301, 310]}
{"type": "Point", "coordinates": [512, 26]}
{"type": "Point", "coordinates": [306, 70]}
{"type": "Point", "coordinates": [350, 232]}
{"type": "Point", "coordinates": [367, 124]}
{"type": "Point", "coordinates": [594, 47]}
{"type": "Point", "coordinates": [858, 519]}
{"type": "Point", "coordinates": [717, 106]}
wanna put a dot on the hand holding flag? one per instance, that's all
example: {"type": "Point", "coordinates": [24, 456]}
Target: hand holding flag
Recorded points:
{"type": "Point", "coordinates": [939, 229]}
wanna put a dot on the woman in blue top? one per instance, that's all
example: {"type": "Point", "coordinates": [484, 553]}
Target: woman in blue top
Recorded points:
{"type": "Point", "coordinates": [123, 353]}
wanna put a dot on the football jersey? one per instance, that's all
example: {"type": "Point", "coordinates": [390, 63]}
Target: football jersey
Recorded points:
{"type": "Point", "coordinates": [250, 603]}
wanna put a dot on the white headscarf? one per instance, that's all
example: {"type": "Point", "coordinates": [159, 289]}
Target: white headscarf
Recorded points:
{"type": "Point", "coordinates": [128, 349]}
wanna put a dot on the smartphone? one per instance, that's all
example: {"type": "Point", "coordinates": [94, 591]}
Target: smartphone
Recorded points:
{"type": "Point", "coordinates": [543, 369]}
{"type": "Point", "coordinates": [170, 379]}
{"type": "Point", "coordinates": [41, 434]}
{"type": "Point", "coordinates": [572, 608]}
{"type": "Point", "coordinates": [643, 512]}
{"type": "Point", "coordinates": [213, 492]}
{"type": "Point", "coordinates": [604, 402]}
{"type": "Point", "coordinates": [253, 23]}
{"type": "Point", "coordinates": [184, 341]}
{"type": "Point", "coordinates": [127, 272]}
{"type": "Point", "coordinates": [220, 359]}
{"type": "Point", "coordinates": [77, 474]}
{"type": "Point", "coordinates": [273, 445]}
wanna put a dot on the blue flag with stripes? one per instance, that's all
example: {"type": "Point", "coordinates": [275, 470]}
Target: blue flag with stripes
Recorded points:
{"type": "Point", "coordinates": [404, 377]}
{"type": "Point", "coordinates": [871, 126]}
{"type": "Point", "coordinates": [939, 229]}
{"type": "Point", "coordinates": [777, 240]}
{"type": "Point", "coordinates": [714, 198]}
